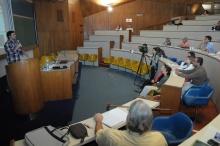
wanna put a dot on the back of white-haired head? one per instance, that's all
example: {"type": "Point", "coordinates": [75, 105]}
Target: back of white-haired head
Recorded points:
{"type": "Point", "coordinates": [140, 117]}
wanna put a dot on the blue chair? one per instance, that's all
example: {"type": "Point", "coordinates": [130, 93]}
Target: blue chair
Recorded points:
{"type": "Point", "coordinates": [180, 61]}
{"type": "Point", "coordinates": [175, 128]}
{"type": "Point", "coordinates": [197, 96]}
{"type": "Point", "coordinates": [206, 83]}
{"type": "Point", "coordinates": [172, 59]}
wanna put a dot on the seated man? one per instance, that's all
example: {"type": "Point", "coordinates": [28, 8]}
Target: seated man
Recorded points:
{"type": "Point", "coordinates": [216, 27]}
{"type": "Point", "coordinates": [130, 28]}
{"type": "Point", "coordinates": [198, 75]}
{"type": "Point", "coordinates": [166, 73]}
{"type": "Point", "coordinates": [185, 43]}
{"type": "Point", "coordinates": [139, 122]}
{"type": "Point", "coordinates": [207, 45]}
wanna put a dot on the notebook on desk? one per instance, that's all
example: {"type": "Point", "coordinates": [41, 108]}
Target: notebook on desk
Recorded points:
{"type": "Point", "coordinates": [114, 117]}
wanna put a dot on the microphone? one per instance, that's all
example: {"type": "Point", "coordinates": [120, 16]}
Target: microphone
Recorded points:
{"type": "Point", "coordinates": [18, 42]}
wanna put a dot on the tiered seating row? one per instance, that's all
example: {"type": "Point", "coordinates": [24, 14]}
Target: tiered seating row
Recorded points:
{"type": "Point", "coordinates": [173, 34]}
{"type": "Point", "coordinates": [174, 41]}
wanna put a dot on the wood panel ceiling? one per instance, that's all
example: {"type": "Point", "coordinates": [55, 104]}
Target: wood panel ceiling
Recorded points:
{"type": "Point", "coordinates": [90, 7]}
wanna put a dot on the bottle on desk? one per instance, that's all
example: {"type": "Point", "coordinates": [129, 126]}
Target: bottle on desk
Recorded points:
{"type": "Point", "coordinates": [47, 64]}
{"type": "Point", "coordinates": [161, 57]}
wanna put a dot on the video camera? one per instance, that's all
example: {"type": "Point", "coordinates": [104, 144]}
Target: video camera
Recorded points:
{"type": "Point", "coordinates": [143, 49]}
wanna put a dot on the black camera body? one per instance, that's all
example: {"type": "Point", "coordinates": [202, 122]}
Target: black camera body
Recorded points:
{"type": "Point", "coordinates": [143, 49]}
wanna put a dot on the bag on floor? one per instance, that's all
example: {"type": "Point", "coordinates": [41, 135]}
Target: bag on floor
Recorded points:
{"type": "Point", "coordinates": [47, 136]}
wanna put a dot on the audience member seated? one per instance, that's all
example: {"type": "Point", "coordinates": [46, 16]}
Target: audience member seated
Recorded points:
{"type": "Point", "coordinates": [166, 73]}
{"type": "Point", "coordinates": [192, 54]}
{"type": "Point", "coordinates": [187, 64]}
{"type": "Point", "coordinates": [167, 42]}
{"type": "Point", "coordinates": [174, 23]}
{"type": "Point", "coordinates": [184, 44]}
{"type": "Point", "coordinates": [154, 62]}
{"type": "Point", "coordinates": [149, 82]}
{"type": "Point", "coordinates": [207, 45]}
{"type": "Point", "coordinates": [216, 27]}
{"type": "Point", "coordinates": [206, 12]}
{"type": "Point", "coordinates": [161, 52]}
{"type": "Point", "coordinates": [130, 28]}
{"type": "Point", "coordinates": [198, 75]}
{"type": "Point", "coordinates": [139, 122]}
{"type": "Point", "coordinates": [118, 27]}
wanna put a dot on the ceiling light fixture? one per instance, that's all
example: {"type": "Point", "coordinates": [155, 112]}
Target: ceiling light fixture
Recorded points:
{"type": "Point", "coordinates": [109, 8]}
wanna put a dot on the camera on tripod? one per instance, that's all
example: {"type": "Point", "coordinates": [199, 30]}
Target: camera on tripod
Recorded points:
{"type": "Point", "coordinates": [143, 49]}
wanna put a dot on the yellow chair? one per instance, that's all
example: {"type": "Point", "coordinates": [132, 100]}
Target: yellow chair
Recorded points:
{"type": "Point", "coordinates": [144, 69]}
{"type": "Point", "coordinates": [84, 57]}
{"type": "Point", "coordinates": [93, 58]}
{"type": "Point", "coordinates": [109, 59]}
{"type": "Point", "coordinates": [79, 55]}
{"type": "Point", "coordinates": [130, 64]}
{"type": "Point", "coordinates": [116, 61]}
{"type": "Point", "coordinates": [124, 62]}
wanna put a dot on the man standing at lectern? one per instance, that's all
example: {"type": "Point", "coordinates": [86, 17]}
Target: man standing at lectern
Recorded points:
{"type": "Point", "coordinates": [13, 48]}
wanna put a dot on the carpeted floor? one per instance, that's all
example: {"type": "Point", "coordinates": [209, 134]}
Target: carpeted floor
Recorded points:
{"type": "Point", "coordinates": [99, 86]}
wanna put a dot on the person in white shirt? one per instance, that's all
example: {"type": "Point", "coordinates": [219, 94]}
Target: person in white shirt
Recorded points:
{"type": "Point", "coordinates": [118, 27]}
{"type": "Point", "coordinates": [130, 28]}
{"type": "Point", "coordinates": [187, 64]}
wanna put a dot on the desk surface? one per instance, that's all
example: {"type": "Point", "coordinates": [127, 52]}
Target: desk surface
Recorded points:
{"type": "Point", "coordinates": [91, 122]}
{"type": "Point", "coordinates": [174, 80]}
{"type": "Point", "coordinates": [214, 123]}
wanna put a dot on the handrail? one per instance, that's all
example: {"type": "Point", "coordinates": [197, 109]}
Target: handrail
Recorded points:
{"type": "Point", "coordinates": [155, 25]}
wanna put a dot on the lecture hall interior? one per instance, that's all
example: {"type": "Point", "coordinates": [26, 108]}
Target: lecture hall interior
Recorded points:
{"type": "Point", "coordinates": [82, 57]}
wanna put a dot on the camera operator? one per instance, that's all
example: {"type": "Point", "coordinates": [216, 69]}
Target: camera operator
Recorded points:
{"type": "Point", "coordinates": [154, 62]}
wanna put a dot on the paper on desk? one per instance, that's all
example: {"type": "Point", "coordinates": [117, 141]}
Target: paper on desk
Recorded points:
{"type": "Point", "coordinates": [114, 117]}
{"type": "Point", "coordinates": [209, 134]}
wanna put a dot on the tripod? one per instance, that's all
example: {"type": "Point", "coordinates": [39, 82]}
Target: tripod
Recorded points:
{"type": "Point", "coordinates": [139, 70]}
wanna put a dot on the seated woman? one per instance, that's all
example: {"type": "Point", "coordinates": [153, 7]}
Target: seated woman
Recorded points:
{"type": "Point", "coordinates": [190, 53]}
{"type": "Point", "coordinates": [167, 42]}
{"type": "Point", "coordinates": [187, 64]}
{"type": "Point", "coordinates": [118, 27]}
{"type": "Point", "coordinates": [154, 62]}
{"type": "Point", "coordinates": [184, 44]}
{"type": "Point", "coordinates": [166, 72]}
{"type": "Point", "coordinates": [161, 52]}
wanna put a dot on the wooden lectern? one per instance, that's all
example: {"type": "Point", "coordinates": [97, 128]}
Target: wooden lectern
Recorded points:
{"type": "Point", "coordinates": [24, 80]}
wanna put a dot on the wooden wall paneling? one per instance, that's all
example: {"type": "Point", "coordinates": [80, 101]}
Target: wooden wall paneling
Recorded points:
{"type": "Point", "coordinates": [77, 33]}
{"type": "Point", "coordinates": [57, 35]}
{"type": "Point", "coordinates": [152, 13]}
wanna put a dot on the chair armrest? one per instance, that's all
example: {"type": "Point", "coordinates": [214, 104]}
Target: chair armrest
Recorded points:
{"type": "Point", "coordinates": [177, 141]}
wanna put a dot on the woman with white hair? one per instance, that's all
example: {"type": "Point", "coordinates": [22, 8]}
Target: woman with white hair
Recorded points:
{"type": "Point", "coordinates": [139, 123]}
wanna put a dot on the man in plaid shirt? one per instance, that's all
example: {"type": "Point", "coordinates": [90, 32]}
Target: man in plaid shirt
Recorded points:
{"type": "Point", "coordinates": [13, 48]}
